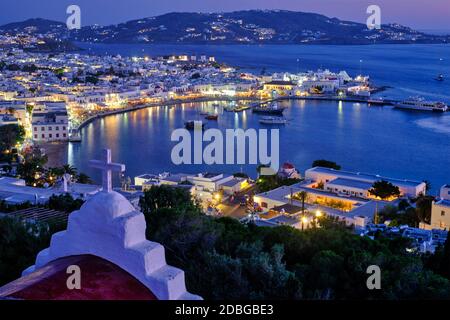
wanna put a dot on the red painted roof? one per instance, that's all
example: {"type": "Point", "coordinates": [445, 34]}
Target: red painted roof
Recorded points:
{"type": "Point", "coordinates": [288, 165]}
{"type": "Point", "coordinates": [100, 280]}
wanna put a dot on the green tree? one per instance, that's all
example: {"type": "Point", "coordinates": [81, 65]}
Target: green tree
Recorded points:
{"type": "Point", "coordinates": [303, 196]}
{"type": "Point", "coordinates": [20, 242]}
{"type": "Point", "coordinates": [164, 197]}
{"type": "Point", "coordinates": [384, 190]}
{"type": "Point", "coordinates": [69, 169]}
{"type": "Point", "coordinates": [91, 79]}
{"type": "Point", "coordinates": [64, 202]}
{"type": "Point", "coordinates": [445, 262]}
{"type": "Point", "coordinates": [30, 68]}
{"type": "Point", "coordinates": [249, 262]}
{"type": "Point", "coordinates": [240, 175]}
{"type": "Point", "coordinates": [428, 186]}
{"type": "Point", "coordinates": [13, 67]}
{"type": "Point", "coordinates": [326, 164]}
{"type": "Point", "coordinates": [84, 178]}
{"type": "Point", "coordinates": [423, 208]}
{"type": "Point", "coordinates": [10, 135]}
{"type": "Point", "coordinates": [32, 168]}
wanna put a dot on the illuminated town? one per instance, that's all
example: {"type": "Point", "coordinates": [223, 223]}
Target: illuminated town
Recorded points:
{"type": "Point", "coordinates": [303, 231]}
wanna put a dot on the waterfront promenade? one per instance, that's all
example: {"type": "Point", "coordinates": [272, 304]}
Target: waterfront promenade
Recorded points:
{"type": "Point", "coordinates": [229, 99]}
{"type": "Point", "coordinates": [160, 104]}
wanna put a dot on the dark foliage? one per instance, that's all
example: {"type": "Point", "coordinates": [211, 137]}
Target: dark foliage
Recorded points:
{"type": "Point", "coordinates": [224, 259]}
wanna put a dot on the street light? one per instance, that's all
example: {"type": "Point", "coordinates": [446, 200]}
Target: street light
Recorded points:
{"type": "Point", "coordinates": [304, 221]}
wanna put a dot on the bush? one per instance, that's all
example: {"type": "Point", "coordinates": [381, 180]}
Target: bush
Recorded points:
{"type": "Point", "coordinates": [64, 202]}
{"type": "Point", "coordinates": [224, 259]}
{"type": "Point", "coordinates": [20, 242]}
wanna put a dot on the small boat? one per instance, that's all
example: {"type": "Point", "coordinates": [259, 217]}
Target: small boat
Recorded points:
{"type": "Point", "coordinates": [419, 104]}
{"type": "Point", "coordinates": [191, 124]}
{"type": "Point", "coordinates": [212, 117]}
{"type": "Point", "coordinates": [74, 136]}
{"type": "Point", "coordinates": [273, 109]}
{"type": "Point", "coordinates": [272, 120]}
{"type": "Point", "coordinates": [440, 77]}
{"type": "Point", "coordinates": [241, 108]}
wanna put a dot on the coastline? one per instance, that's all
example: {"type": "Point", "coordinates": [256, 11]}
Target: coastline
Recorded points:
{"type": "Point", "coordinates": [151, 105]}
{"type": "Point", "coordinates": [207, 99]}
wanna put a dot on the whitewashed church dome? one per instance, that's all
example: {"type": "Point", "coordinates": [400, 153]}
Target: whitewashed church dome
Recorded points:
{"type": "Point", "coordinates": [108, 204]}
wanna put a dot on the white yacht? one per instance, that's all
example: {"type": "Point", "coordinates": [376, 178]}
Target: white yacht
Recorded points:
{"type": "Point", "coordinates": [420, 104]}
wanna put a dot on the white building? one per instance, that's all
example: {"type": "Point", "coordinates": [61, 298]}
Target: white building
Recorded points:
{"type": "Point", "coordinates": [50, 126]}
{"type": "Point", "coordinates": [445, 192]}
{"type": "Point", "coordinates": [357, 184]}
{"type": "Point", "coordinates": [8, 119]}
{"type": "Point", "coordinates": [440, 211]}
{"type": "Point", "coordinates": [327, 86]}
{"type": "Point", "coordinates": [209, 182]}
{"type": "Point", "coordinates": [14, 191]}
{"type": "Point", "coordinates": [15, 109]}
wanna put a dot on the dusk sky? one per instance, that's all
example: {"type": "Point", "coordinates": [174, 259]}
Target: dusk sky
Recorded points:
{"type": "Point", "coordinates": [420, 14]}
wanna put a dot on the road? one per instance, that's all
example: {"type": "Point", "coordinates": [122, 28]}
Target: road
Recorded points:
{"type": "Point", "coordinates": [234, 208]}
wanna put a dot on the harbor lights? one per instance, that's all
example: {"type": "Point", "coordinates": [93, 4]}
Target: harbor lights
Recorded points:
{"type": "Point", "coordinates": [305, 220]}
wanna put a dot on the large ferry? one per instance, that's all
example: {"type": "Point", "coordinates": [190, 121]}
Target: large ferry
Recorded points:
{"type": "Point", "coordinates": [420, 104]}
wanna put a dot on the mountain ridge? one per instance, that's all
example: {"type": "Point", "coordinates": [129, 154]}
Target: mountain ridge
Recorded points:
{"type": "Point", "coordinates": [236, 27]}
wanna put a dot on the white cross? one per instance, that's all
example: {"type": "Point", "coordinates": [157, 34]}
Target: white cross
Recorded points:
{"type": "Point", "coordinates": [107, 167]}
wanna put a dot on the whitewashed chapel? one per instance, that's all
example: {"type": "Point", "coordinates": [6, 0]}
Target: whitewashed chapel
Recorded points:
{"type": "Point", "coordinates": [107, 238]}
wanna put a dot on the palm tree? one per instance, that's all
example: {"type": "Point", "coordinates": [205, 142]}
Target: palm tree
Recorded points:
{"type": "Point", "coordinates": [428, 186]}
{"type": "Point", "coordinates": [84, 178]}
{"type": "Point", "coordinates": [303, 195]}
{"type": "Point", "coordinates": [67, 168]}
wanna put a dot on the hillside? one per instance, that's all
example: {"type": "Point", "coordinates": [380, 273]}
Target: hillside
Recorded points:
{"type": "Point", "coordinates": [240, 27]}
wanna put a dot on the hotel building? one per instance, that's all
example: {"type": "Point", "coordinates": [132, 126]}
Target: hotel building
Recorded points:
{"type": "Point", "coordinates": [358, 184]}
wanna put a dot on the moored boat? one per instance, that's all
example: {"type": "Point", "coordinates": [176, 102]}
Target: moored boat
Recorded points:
{"type": "Point", "coordinates": [273, 109]}
{"type": "Point", "coordinates": [272, 120]}
{"type": "Point", "coordinates": [419, 104]}
{"type": "Point", "coordinates": [241, 108]}
{"type": "Point", "coordinates": [212, 117]}
{"type": "Point", "coordinates": [191, 125]}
